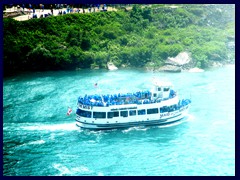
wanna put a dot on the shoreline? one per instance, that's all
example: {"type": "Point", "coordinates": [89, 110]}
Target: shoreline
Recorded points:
{"type": "Point", "coordinates": [19, 72]}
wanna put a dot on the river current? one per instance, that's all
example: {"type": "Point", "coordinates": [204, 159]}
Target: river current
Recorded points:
{"type": "Point", "coordinates": [39, 139]}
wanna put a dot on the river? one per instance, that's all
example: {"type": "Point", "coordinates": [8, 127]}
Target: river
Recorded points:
{"type": "Point", "coordinates": [39, 139]}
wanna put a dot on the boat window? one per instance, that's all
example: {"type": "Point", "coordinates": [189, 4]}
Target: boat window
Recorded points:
{"type": "Point", "coordinates": [110, 115]}
{"type": "Point", "coordinates": [176, 107]}
{"type": "Point", "coordinates": [113, 114]}
{"type": "Point", "coordinates": [141, 112]}
{"type": "Point", "coordinates": [132, 113]}
{"type": "Point", "coordinates": [154, 95]}
{"type": "Point", "coordinates": [164, 109]}
{"type": "Point", "coordinates": [159, 89]}
{"type": "Point", "coordinates": [124, 113]}
{"type": "Point", "coordinates": [116, 114]}
{"type": "Point", "coordinates": [166, 89]}
{"type": "Point", "coordinates": [161, 110]}
{"type": "Point", "coordinates": [152, 111]}
{"type": "Point", "coordinates": [99, 114]}
{"type": "Point", "coordinates": [171, 108]}
{"type": "Point", "coordinates": [84, 113]}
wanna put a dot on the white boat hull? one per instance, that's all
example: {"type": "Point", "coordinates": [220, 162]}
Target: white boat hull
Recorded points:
{"type": "Point", "coordinates": [145, 120]}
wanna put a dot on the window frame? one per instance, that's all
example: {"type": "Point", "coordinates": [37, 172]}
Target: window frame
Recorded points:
{"type": "Point", "coordinates": [153, 111]}
{"type": "Point", "coordinates": [123, 112]}
{"type": "Point", "coordinates": [132, 111]}
{"type": "Point", "coordinates": [99, 117]}
{"type": "Point", "coordinates": [142, 111]}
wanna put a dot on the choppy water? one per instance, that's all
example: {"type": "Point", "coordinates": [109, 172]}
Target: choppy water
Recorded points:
{"type": "Point", "coordinates": [39, 139]}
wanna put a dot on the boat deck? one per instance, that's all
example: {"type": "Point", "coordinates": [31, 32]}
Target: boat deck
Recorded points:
{"type": "Point", "coordinates": [143, 97]}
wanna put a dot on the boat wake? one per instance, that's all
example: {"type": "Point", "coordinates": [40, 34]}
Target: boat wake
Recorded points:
{"type": "Point", "coordinates": [50, 127]}
{"type": "Point", "coordinates": [28, 144]}
{"type": "Point", "coordinates": [139, 128]}
{"type": "Point", "coordinates": [190, 117]}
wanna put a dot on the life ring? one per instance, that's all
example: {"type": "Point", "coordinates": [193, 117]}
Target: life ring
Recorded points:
{"type": "Point", "coordinates": [69, 111]}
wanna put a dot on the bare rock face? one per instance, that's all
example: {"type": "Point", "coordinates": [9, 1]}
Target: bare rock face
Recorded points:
{"type": "Point", "coordinates": [177, 64]}
{"type": "Point", "coordinates": [180, 60]}
{"type": "Point", "coordinates": [170, 68]}
{"type": "Point", "coordinates": [216, 64]}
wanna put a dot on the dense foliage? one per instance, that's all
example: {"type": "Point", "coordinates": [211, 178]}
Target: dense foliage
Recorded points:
{"type": "Point", "coordinates": [139, 37]}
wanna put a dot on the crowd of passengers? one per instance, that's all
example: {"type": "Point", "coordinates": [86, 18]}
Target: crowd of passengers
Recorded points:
{"type": "Point", "coordinates": [120, 99]}
{"type": "Point", "coordinates": [181, 103]}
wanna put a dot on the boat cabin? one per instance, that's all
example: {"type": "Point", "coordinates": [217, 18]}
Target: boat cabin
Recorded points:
{"type": "Point", "coordinates": [162, 91]}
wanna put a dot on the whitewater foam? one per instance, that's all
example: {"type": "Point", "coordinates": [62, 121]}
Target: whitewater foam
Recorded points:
{"type": "Point", "coordinates": [53, 127]}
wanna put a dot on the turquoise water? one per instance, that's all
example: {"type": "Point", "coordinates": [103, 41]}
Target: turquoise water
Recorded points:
{"type": "Point", "coordinates": [39, 139]}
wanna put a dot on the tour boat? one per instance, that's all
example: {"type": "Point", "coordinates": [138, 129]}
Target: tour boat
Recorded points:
{"type": "Point", "coordinates": [158, 106]}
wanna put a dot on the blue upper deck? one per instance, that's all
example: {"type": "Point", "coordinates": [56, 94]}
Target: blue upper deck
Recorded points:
{"type": "Point", "coordinates": [139, 97]}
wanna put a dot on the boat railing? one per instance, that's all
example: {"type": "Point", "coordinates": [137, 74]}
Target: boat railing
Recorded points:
{"type": "Point", "coordinates": [182, 104]}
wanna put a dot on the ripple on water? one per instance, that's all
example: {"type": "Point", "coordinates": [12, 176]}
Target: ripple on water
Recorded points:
{"type": "Point", "coordinates": [65, 171]}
